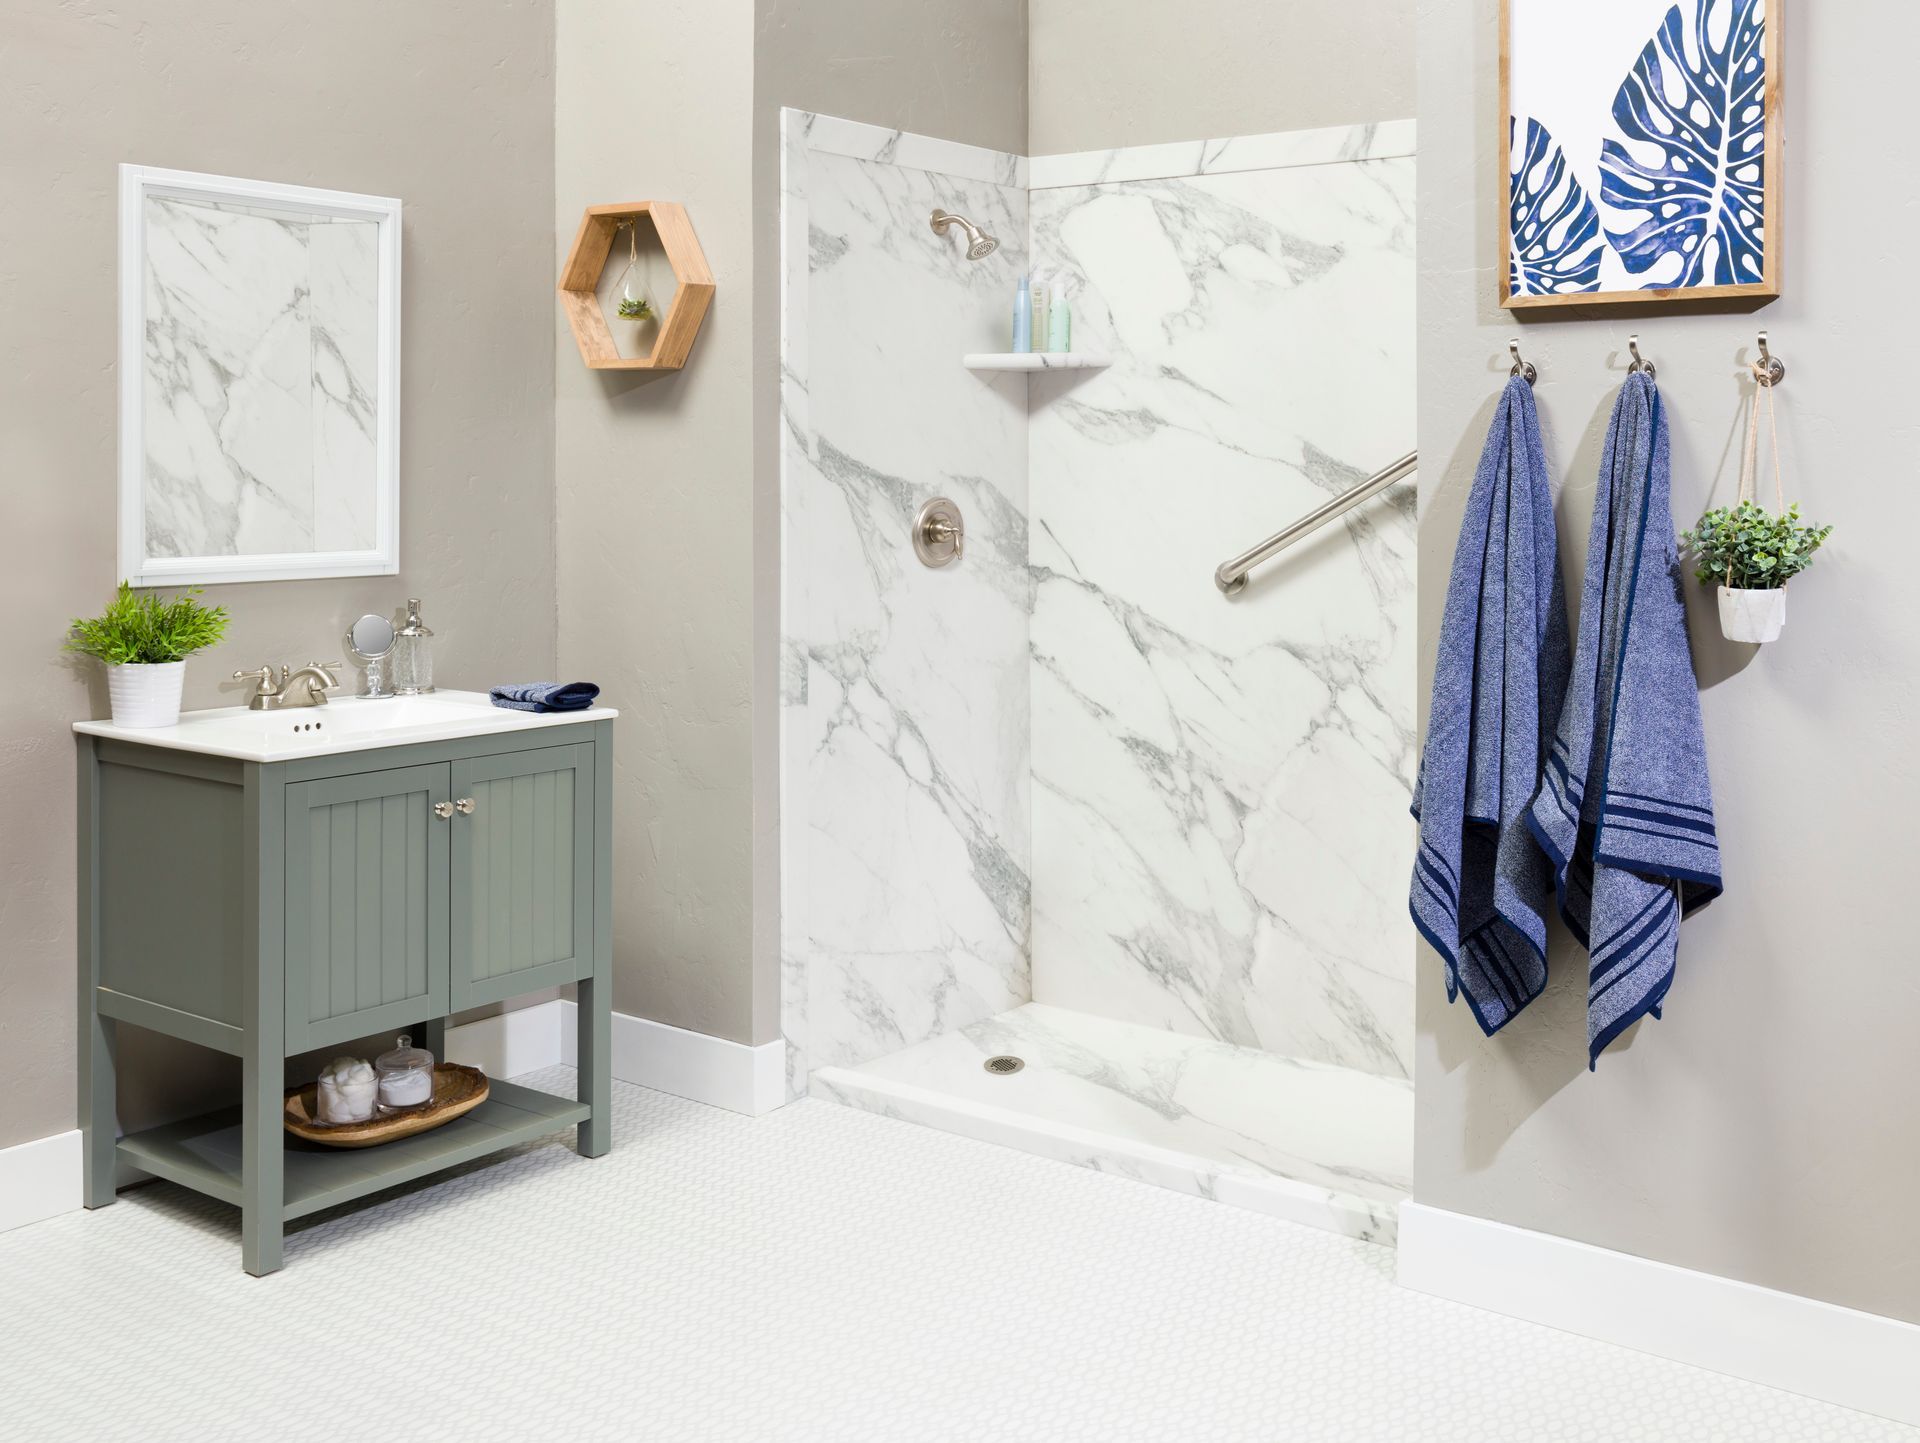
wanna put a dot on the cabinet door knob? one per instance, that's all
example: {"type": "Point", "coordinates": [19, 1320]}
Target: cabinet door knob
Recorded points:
{"type": "Point", "coordinates": [443, 810]}
{"type": "Point", "coordinates": [465, 806]}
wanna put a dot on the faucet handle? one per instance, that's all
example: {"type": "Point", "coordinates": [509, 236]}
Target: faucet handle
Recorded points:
{"type": "Point", "coordinates": [262, 675]}
{"type": "Point", "coordinates": [328, 669]}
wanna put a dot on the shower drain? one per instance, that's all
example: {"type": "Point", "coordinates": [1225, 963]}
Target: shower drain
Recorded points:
{"type": "Point", "coordinates": [1004, 1065]}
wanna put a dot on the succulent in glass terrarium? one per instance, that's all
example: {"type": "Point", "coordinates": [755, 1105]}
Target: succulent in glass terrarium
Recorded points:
{"type": "Point", "coordinates": [634, 305]}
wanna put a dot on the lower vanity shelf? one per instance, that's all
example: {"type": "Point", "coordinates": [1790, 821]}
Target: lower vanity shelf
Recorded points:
{"type": "Point", "coordinates": [205, 1153]}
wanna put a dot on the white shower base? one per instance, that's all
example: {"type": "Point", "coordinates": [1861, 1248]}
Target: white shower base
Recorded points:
{"type": "Point", "coordinates": [1320, 1145]}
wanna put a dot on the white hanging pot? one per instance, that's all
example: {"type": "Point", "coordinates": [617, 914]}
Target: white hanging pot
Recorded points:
{"type": "Point", "coordinates": [1753, 615]}
{"type": "Point", "coordinates": [146, 694]}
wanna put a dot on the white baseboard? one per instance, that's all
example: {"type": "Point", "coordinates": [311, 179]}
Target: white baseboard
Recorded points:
{"type": "Point", "coordinates": [706, 1069]}
{"type": "Point", "coordinates": [39, 1179]}
{"type": "Point", "coordinates": [524, 1040]}
{"type": "Point", "coordinates": [1840, 1355]}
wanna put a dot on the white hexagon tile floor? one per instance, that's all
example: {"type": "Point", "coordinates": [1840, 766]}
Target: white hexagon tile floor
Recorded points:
{"type": "Point", "coordinates": [819, 1273]}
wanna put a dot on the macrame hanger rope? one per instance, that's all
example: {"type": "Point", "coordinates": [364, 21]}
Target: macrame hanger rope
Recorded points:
{"type": "Point", "coordinates": [1749, 459]}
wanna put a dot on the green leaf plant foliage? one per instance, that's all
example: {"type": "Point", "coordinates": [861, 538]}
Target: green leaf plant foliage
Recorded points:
{"type": "Point", "coordinates": [1748, 548]}
{"type": "Point", "coordinates": [144, 630]}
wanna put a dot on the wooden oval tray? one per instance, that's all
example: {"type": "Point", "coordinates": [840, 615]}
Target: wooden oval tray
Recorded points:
{"type": "Point", "coordinates": [457, 1090]}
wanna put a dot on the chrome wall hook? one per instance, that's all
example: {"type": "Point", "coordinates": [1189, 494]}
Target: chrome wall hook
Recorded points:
{"type": "Point", "coordinates": [1523, 369]}
{"type": "Point", "coordinates": [1640, 363]}
{"type": "Point", "coordinates": [1771, 370]}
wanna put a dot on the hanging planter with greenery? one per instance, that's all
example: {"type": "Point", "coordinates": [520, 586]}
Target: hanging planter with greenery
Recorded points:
{"type": "Point", "coordinates": [1751, 553]}
{"type": "Point", "coordinates": [634, 305]}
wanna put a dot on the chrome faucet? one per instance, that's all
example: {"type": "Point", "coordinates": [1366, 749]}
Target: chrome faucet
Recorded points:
{"type": "Point", "coordinates": [314, 680]}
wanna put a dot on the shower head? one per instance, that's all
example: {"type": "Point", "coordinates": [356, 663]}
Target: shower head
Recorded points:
{"type": "Point", "coordinates": [980, 245]}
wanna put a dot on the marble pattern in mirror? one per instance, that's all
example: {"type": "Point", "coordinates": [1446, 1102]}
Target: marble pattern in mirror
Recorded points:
{"type": "Point", "coordinates": [256, 442]}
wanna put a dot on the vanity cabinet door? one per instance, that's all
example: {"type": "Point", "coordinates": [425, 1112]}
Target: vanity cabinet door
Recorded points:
{"type": "Point", "coordinates": [522, 872]}
{"type": "Point", "coordinates": [366, 903]}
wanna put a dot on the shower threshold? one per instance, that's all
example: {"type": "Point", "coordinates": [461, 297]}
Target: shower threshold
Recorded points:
{"type": "Point", "coordinates": [1321, 1145]}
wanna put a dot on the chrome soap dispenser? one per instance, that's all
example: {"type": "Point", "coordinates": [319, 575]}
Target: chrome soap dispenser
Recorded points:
{"type": "Point", "coordinates": [411, 666]}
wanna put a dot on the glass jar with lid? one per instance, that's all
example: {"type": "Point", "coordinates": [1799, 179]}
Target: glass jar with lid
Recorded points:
{"type": "Point", "coordinates": [410, 669]}
{"type": "Point", "coordinates": [406, 1075]}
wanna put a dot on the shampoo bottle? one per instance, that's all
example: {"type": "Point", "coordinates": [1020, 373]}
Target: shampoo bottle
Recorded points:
{"type": "Point", "coordinates": [1022, 318]}
{"type": "Point", "coordinates": [1041, 292]}
{"type": "Point", "coordinates": [1059, 320]}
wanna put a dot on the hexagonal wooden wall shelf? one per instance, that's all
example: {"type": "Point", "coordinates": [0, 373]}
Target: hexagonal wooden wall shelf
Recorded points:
{"type": "Point", "coordinates": [580, 283]}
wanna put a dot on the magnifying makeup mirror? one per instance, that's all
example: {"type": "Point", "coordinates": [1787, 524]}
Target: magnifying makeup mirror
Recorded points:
{"type": "Point", "coordinates": [370, 643]}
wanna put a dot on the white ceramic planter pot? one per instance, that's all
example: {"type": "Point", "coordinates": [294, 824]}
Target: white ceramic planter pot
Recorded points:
{"type": "Point", "coordinates": [1752, 615]}
{"type": "Point", "coordinates": [146, 695]}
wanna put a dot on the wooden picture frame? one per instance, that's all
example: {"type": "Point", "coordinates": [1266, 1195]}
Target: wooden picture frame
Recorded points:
{"type": "Point", "coordinates": [1629, 245]}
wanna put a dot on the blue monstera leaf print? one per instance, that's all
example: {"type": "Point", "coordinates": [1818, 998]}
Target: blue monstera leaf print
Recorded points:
{"type": "Point", "coordinates": [1555, 247]}
{"type": "Point", "coordinates": [1688, 174]}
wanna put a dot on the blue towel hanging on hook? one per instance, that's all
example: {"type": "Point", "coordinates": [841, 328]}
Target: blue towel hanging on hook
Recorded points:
{"type": "Point", "coordinates": [1481, 887]}
{"type": "Point", "coordinates": [1626, 811]}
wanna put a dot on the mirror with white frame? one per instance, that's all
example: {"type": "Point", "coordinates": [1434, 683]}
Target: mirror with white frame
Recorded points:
{"type": "Point", "coordinates": [259, 380]}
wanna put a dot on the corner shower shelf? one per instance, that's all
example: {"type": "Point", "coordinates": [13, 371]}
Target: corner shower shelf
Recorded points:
{"type": "Point", "coordinates": [1035, 361]}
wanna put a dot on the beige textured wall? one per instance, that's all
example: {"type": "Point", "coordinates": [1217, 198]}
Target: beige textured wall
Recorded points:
{"type": "Point", "coordinates": [655, 511]}
{"type": "Point", "coordinates": [448, 107]}
{"type": "Point", "coordinates": [1768, 1129]}
{"type": "Point", "coordinates": [1134, 72]}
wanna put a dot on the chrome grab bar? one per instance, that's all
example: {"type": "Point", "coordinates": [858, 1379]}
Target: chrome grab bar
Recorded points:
{"type": "Point", "coordinates": [1231, 576]}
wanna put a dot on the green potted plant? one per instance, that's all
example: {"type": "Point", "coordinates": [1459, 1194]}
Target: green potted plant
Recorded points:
{"type": "Point", "coordinates": [1750, 553]}
{"type": "Point", "coordinates": [145, 641]}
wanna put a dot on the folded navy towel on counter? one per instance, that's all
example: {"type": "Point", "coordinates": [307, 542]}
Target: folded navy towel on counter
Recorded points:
{"type": "Point", "coordinates": [546, 695]}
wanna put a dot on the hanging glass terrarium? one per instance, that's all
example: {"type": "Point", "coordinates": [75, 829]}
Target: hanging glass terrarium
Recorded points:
{"type": "Point", "coordinates": [635, 306]}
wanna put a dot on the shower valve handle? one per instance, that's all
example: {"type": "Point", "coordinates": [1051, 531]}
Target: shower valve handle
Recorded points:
{"type": "Point", "coordinates": [939, 533]}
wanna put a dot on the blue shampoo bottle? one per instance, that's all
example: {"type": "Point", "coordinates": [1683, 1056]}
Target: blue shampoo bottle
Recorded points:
{"type": "Point", "coordinates": [1022, 318]}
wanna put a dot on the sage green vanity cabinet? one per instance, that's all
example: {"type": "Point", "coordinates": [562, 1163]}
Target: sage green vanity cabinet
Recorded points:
{"type": "Point", "coordinates": [267, 909]}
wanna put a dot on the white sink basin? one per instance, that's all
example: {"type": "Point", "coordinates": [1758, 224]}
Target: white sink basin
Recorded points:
{"type": "Point", "coordinates": [347, 724]}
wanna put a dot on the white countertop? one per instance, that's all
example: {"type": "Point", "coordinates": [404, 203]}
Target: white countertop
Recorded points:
{"type": "Point", "coordinates": [344, 724]}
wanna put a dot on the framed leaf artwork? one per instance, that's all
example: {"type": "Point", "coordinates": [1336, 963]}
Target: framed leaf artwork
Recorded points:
{"type": "Point", "coordinates": [1642, 150]}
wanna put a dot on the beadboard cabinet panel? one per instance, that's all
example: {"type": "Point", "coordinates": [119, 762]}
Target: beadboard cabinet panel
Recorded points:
{"type": "Point", "coordinates": [522, 879]}
{"type": "Point", "coordinates": [367, 869]}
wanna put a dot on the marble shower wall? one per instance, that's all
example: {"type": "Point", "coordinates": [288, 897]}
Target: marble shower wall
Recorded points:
{"type": "Point", "coordinates": [905, 858]}
{"type": "Point", "coordinates": [1220, 788]}
{"type": "Point", "coordinates": [261, 367]}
